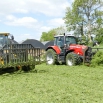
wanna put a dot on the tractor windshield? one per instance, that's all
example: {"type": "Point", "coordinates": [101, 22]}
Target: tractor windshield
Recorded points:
{"type": "Point", "coordinates": [70, 40]}
{"type": "Point", "coordinates": [61, 40]}
{"type": "Point", "coordinates": [3, 40]}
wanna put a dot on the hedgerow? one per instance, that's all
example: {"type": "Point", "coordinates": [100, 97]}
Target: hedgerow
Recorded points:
{"type": "Point", "coordinates": [97, 59]}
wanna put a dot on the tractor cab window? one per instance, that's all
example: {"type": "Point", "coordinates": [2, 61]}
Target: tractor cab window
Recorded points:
{"type": "Point", "coordinates": [3, 40]}
{"type": "Point", "coordinates": [70, 40]}
{"type": "Point", "coordinates": [59, 41]}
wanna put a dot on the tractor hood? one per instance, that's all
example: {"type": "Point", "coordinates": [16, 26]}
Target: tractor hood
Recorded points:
{"type": "Point", "coordinates": [78, 49]}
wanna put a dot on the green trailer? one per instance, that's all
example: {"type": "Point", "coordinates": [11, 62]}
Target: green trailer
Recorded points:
{"type": "Point", "coordinates": [17, 56]}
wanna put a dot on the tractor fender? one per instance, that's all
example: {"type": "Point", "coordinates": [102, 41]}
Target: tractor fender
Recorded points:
{"type": "Point", "coordinates": [55, 48]}
{"type": "Point", "coordinates": [69, 51]}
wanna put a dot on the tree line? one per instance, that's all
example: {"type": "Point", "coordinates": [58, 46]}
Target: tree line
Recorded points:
{"type": "Point", "coordinates": [84, 18]}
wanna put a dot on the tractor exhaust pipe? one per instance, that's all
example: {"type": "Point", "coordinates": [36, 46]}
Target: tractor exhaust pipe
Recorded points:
{"type": "Point", "coordinates": [64, 39]}
{"type": "Point", "coordinates": [64, 42]}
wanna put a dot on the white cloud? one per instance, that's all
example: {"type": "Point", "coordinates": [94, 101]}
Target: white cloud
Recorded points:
{"type": "Point", "coordinates": [35, 16]}
{"type": "Point", "coordinates": [10, 17]}
{"type": "Point", "coordinates": [50, 8]}
{"type": "Point", "coordinates": [24, 21]}
{"type": "Point", "coordinates": [23, 36]}
{"type": "Point", "coordinates": [21, 10]}
{"type": "Point", "coordinates": [44, 28]}
{"type": "Point", "coordinates": [47, 7]}
{"type": "Point", "coordinates": [30, 22]}
{"type": "Point", "coordinates": [7, 7]}
{"type": "Point", "coordinates": [56, 22]}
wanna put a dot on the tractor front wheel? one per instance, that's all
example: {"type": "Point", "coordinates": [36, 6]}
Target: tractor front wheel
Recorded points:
{"type": "Point", "coordinates": [72, 59]}
{"type": "Point", "coordinates": [51, 57]}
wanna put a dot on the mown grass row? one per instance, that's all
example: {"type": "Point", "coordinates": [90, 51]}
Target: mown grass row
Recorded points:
{"type": "Point", "coordinates": [53, 84]}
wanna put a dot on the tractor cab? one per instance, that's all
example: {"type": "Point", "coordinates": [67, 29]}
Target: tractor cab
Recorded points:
{"type": "Point", "coordinates": [64, 41]}
{"type": "Point", "coordinates": [5, 39]}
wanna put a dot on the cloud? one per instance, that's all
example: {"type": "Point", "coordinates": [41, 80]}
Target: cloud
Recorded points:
{"type": "Point", "coordinates": [29, 18]}
{"type": "Point", "coordinates": [56, 22]}
{"type": "Point", "coordinates": [45, 28]}
{"type": "Point", "coordinates": [11, 6]}
{"type": "Point", "coordinates": [52, 8]}
{"type": "Point", "coordinates": [46, 7]}
{"type": "Point", "coordinates": [23, 36]}
{"type": "Point", "coordinates": [21, 11]}
{"type": "Point", "coordinates": [30, 22]}
{"type": "Point", "coordinates": [24, 21]}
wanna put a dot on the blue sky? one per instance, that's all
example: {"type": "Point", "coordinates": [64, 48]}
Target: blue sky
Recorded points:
{"type": "Point", "coordinates": [27, 19]}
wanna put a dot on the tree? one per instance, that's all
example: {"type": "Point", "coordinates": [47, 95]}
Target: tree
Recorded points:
{"type": "Point", "coordinates": [48, 36]}
{"type": "Point", "coordinates": [99, 36]}
{"type": "Point", "coordinates": [85, 15]}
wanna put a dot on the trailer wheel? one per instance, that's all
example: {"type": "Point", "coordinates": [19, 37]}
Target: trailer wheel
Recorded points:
{"type": "Point", "coordinates": [26, 68]}
{"type": "Point", "coordinates": [51, 57]}
{"type": "Point", "coordinates": [72, 59]}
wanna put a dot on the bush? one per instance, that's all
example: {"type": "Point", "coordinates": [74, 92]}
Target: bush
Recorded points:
{"type": "Point", "coordinates": [97, 59]}
{"type": "Point", "coordinates": [82, 40]}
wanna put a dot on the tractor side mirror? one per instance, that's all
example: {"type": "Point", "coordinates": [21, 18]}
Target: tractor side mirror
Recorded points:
{"type": "Point", "coordinates": [12, 37]}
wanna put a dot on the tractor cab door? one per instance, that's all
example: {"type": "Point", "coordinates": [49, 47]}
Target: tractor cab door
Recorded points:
{"type": "Point", "coordinates": [59, 41]}
{"type": "Point", "coordinates": [3, 40]}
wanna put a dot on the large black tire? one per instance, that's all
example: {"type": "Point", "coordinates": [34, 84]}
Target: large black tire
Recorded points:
{"type": "Point", "coordinates": [72, 59]}
{"type": "Point", "coordinates": [26, 68]}
{"type": "Point", "coordinates": [51, 57]}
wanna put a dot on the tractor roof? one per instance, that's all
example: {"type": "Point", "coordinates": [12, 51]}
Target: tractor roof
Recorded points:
{"type": "Point", "coordinates": [65, 35]}
{"type": "Point", "coordinates": [6, 34]}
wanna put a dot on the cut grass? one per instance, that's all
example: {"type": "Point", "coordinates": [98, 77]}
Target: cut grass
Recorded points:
{"type": "Point", "coordinates": [53, 84]}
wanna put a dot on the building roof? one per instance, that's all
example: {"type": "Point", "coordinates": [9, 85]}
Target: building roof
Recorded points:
{"type": "Point", "coordinates": [34, 43]}
{"type": "Point", "coordinates": [13, 41]}
{"type": "Point", "coordinates": [45, 42]}
{"type": "Point", "coordinates": [50, 43]}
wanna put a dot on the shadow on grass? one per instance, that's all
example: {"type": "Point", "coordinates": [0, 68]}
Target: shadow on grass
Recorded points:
{"type": "Point", "coordinates": [12, 71]}
{"type": "Point", "coordinates": [7, 71]}
{"type": "Point", "coordinates": [42, 71]}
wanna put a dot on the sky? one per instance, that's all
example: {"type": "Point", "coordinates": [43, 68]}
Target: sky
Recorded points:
{"type": "Point", "coordinates": [27, 19]}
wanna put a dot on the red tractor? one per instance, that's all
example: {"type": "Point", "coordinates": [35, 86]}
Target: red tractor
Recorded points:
{"type": "Point", "coordinates": [68, 51]}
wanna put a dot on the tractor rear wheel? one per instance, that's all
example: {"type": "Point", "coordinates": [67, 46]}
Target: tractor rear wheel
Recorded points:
{"type": "Point", "coordinates": [72, 59]}
{"type": "Point", "coordinates": [51, 57]}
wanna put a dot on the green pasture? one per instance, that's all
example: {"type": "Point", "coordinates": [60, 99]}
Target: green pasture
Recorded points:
{"type": "Point", "coordinates": [53, 84]}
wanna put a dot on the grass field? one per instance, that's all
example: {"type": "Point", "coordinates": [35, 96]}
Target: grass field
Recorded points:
{"type": "Point", "coordinates": [53, 84]}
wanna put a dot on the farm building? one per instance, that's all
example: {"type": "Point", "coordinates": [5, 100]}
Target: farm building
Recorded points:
{"type": "Point", "coordinates": [45, 42]}
{"type": "Point", "coordinates": [13, 41]}
{"type": "Point", "coordinates": [48, 43]}
{"type": "Point", "coordinates": [36, 44]}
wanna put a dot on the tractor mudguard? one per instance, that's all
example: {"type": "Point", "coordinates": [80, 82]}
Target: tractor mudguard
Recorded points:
{"type": "Point", "coordinates": [55, 48]}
